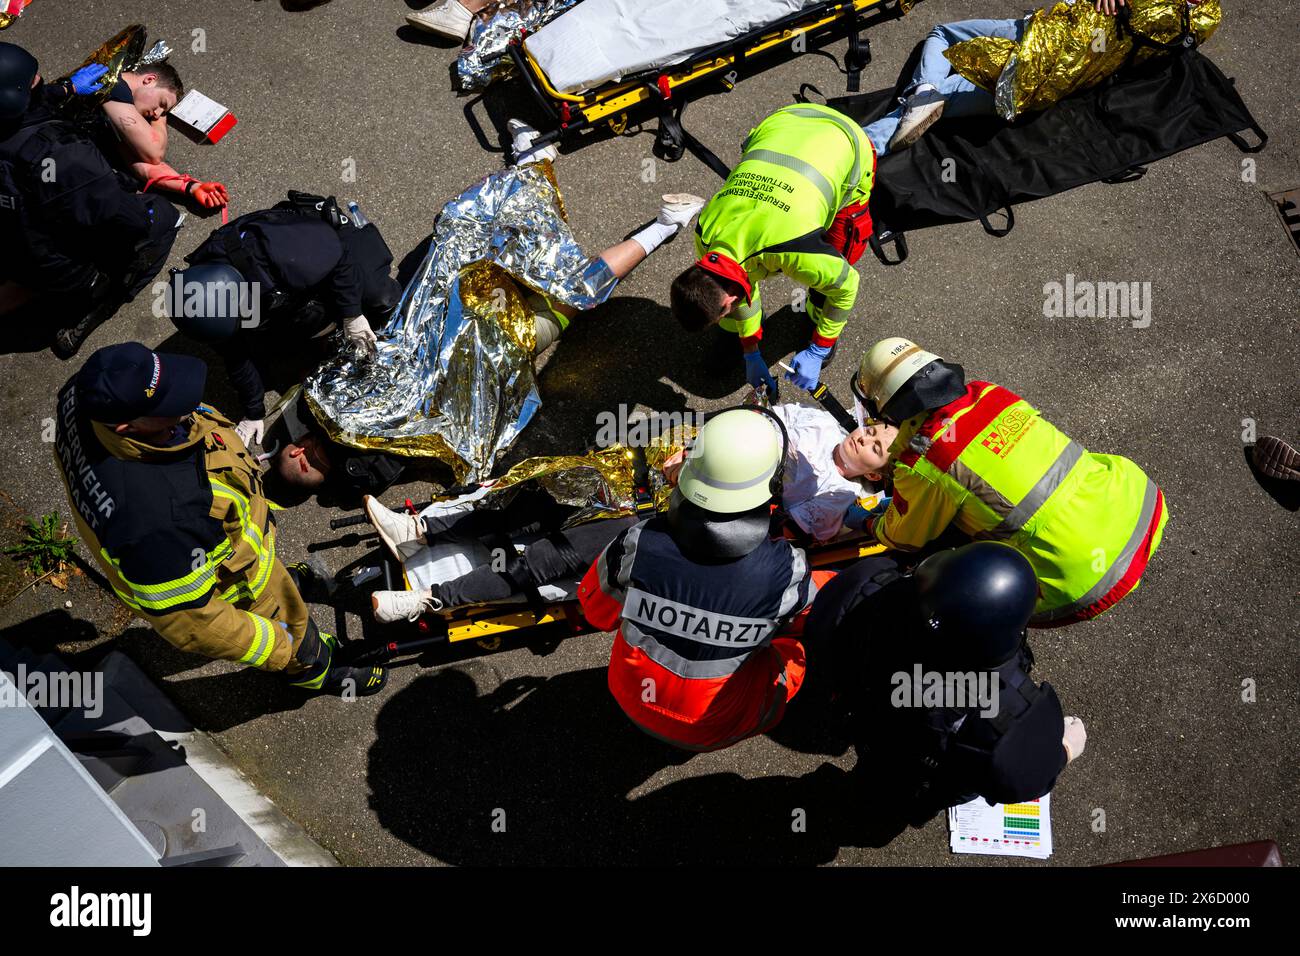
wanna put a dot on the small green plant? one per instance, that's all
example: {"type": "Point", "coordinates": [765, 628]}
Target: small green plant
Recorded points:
{"type": "Point", "coordinates": [45, 547]}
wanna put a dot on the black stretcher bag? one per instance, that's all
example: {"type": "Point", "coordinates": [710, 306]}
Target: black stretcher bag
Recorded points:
{"type": "Point", "coordinates": [1108, 133]}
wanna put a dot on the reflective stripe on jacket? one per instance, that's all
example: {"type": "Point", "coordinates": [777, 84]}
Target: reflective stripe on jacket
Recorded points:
{"type": "Point", "coordinates": [697, 660]}
{"type": "Point", "coordinates": [798, 168]}
{"type": "Point", "coordinates": [184, 535]}
{"type": "Point", "coordinates": [990, 464]}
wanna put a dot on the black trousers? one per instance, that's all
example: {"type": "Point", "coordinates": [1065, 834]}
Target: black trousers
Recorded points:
{"type": "Point", "coordinates": [69, 289]}
{"type": "Point", "coordinates": [531, 512]}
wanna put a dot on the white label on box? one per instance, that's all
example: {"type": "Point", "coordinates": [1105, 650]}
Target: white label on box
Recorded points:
{"type": "Point", "coordinates": [199, 111]}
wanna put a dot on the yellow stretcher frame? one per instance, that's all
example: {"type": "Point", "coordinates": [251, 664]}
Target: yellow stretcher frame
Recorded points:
{"type": "Point", "coordinates": [611, 104]}
{"type": "Point", "coordinates": [489, 625]}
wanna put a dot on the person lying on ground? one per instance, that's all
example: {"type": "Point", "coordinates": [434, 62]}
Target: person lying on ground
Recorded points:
{"type": "Point", "coordinates": [136, 112]}
{"type": "Point", "coordinates": [304, 461]}
{"type": "Point", "coordinates": [82, 242]}
{"type": "Point", "coordinates": [825, 472]}
{"type": "Point", "coordinates": [937, 90]}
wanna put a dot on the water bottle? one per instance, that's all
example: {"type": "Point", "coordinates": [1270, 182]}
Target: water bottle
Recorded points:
{"type": "Point", "coordinates": [358, 217]}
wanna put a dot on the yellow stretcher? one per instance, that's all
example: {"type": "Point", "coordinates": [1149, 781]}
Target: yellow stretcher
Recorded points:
{"type": "Point", "coordinates": [613, 104]}
{"type": "Point", "coordinates": [489, 625]}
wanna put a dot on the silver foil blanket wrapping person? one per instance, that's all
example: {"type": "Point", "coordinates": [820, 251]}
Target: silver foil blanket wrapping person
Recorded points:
{"type": "Point", "coordinates": [494, 28]}
{"type": "Point", "coordinates": [452, 377]}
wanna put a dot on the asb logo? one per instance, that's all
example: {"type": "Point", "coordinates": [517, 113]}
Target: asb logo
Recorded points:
{"type": "Point", "coordinates": [1007, 430]}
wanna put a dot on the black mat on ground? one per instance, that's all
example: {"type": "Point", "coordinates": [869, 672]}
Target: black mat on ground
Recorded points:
{"type": "Point", "coordinates": [970, 169]}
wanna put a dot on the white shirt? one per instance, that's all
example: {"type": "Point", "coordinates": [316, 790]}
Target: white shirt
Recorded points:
{"type": "Point", "coordinates": [816, 495]}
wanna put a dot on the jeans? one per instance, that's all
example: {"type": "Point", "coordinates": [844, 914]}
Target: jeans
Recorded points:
{"type": "Point", "coordinates": [961, 96]}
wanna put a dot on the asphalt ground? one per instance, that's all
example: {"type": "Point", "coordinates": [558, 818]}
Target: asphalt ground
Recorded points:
{"type": "Point", "coordinates": [1176, 758]}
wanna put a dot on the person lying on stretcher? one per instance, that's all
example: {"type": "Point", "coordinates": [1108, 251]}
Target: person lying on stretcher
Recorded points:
{"type": "Point", "coordinates": [937, 89]}
{"type": "Point", "coordinates": [824, 477]}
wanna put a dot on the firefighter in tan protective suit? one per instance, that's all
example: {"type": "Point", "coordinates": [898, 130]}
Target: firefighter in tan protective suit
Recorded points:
{"type": "Point", "coordinates": [170, 503]}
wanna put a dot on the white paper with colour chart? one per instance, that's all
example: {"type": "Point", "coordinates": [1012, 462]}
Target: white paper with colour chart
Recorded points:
{"type": "Point", "coordinates": [1018, 829]}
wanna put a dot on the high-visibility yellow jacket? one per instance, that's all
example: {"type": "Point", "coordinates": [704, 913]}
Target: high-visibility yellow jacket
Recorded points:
{"type": "Point", "coordinates": [991, 465]}
{"type": "Point", "coordinates": [798, 168]}
{"type": "Point", "coordinates": [184, 535]}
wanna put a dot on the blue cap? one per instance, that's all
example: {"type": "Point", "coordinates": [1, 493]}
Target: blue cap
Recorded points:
{"type": "Point", "coordinates": [123, 382]}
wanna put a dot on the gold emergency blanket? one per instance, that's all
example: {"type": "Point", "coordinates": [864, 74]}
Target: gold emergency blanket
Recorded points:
{"type": "Point", "coordinates": [124, 53]}
{"type": "Point", "coordinates": [600, 484]}
{"type": "Point", "coordinates": [453, 375]}
{"type": "Point", "coordinates": [1071, 47]}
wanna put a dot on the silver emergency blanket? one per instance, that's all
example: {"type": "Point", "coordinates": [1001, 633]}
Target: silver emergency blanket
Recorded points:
{"type": "Point", "coordinates": [494, 28]}
{"type": "Point", "coordinates": [453, 375]}
{"type": "Point", "coordinates": [155, 54]}
{"type": "Point", "coordinates": [604, 40]}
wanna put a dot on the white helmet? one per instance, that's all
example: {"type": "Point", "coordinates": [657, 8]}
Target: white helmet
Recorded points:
{"type": "Point", "coordinates": [885, 368]}
{"type": "Point", "coordinates": [733, 464]}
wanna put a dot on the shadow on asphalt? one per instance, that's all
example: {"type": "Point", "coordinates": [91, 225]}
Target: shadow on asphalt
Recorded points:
{"type": "Point", "coordinates": [599, 366]}
{"type": "Point", "coordinates": [44, 633]}
{"type": "Point", "coordinates": [555, 760]}
{"type": "Point", "coordinates": [214, 702]}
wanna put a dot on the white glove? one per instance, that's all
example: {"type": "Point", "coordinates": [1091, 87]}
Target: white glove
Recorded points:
{"type": "Point", "coordinates": [358, 333]}
{"type": "Point", "coordinates": [1075, 739]}
{"type": "Point", "coordinates": [250, 431]}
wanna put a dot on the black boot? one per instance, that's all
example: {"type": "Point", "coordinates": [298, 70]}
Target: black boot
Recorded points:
{"type": "Point", "coordinates": [67, 342]}
{"type": "Point", "coordinates": [322, 674]}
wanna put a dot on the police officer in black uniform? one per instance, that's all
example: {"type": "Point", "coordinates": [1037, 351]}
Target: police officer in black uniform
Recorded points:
{"type": "Point", "coordinates": [300, 268]}
{"type": "Point", "coordinates": [884, 637]}
{"type": "Point", "coordinates": [78, 237]}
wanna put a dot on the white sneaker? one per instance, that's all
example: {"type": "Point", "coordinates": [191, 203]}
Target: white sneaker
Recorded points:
{"type": "Point", "coordinates": [679, 209]}
{"type": "Point", "coordinates": [393, 606]}
{"type": "Point", "coordinates": [402, 533]}
{"type": "Point", "coordinates": [522, 137]}
{"type": "Point", "coordinates": [448, 19]}
{"type": "Point", "coordinates": [920, 111]}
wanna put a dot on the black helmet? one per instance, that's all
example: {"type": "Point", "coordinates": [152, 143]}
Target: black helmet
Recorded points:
{"type": "Point", "coordinates": [17, 70]}
{"type": "Point", "coordinates": [208, 301]}
{"type": "Point", "coordinates": [975, 601]}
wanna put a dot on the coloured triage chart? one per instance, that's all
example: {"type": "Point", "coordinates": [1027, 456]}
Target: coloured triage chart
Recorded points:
{"type": "Point", "coordinates": [1004, 829]}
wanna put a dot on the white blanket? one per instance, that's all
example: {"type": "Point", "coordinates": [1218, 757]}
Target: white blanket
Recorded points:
{"type": "Point", "coordinates": [602, 40]}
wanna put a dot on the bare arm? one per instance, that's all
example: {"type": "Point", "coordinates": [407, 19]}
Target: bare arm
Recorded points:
{"type": "Point", "coordinates": [142, 141]}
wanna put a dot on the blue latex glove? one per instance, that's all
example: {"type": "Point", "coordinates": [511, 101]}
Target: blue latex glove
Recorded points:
{"type": "Point", "coordinates": [858, 516]}
{"type": "Point", "coordinates": [808, 366]}
{"type": "Point", "coordinates": [758, 374]}
{"type": "Point", "coordinates": [87, 80]}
